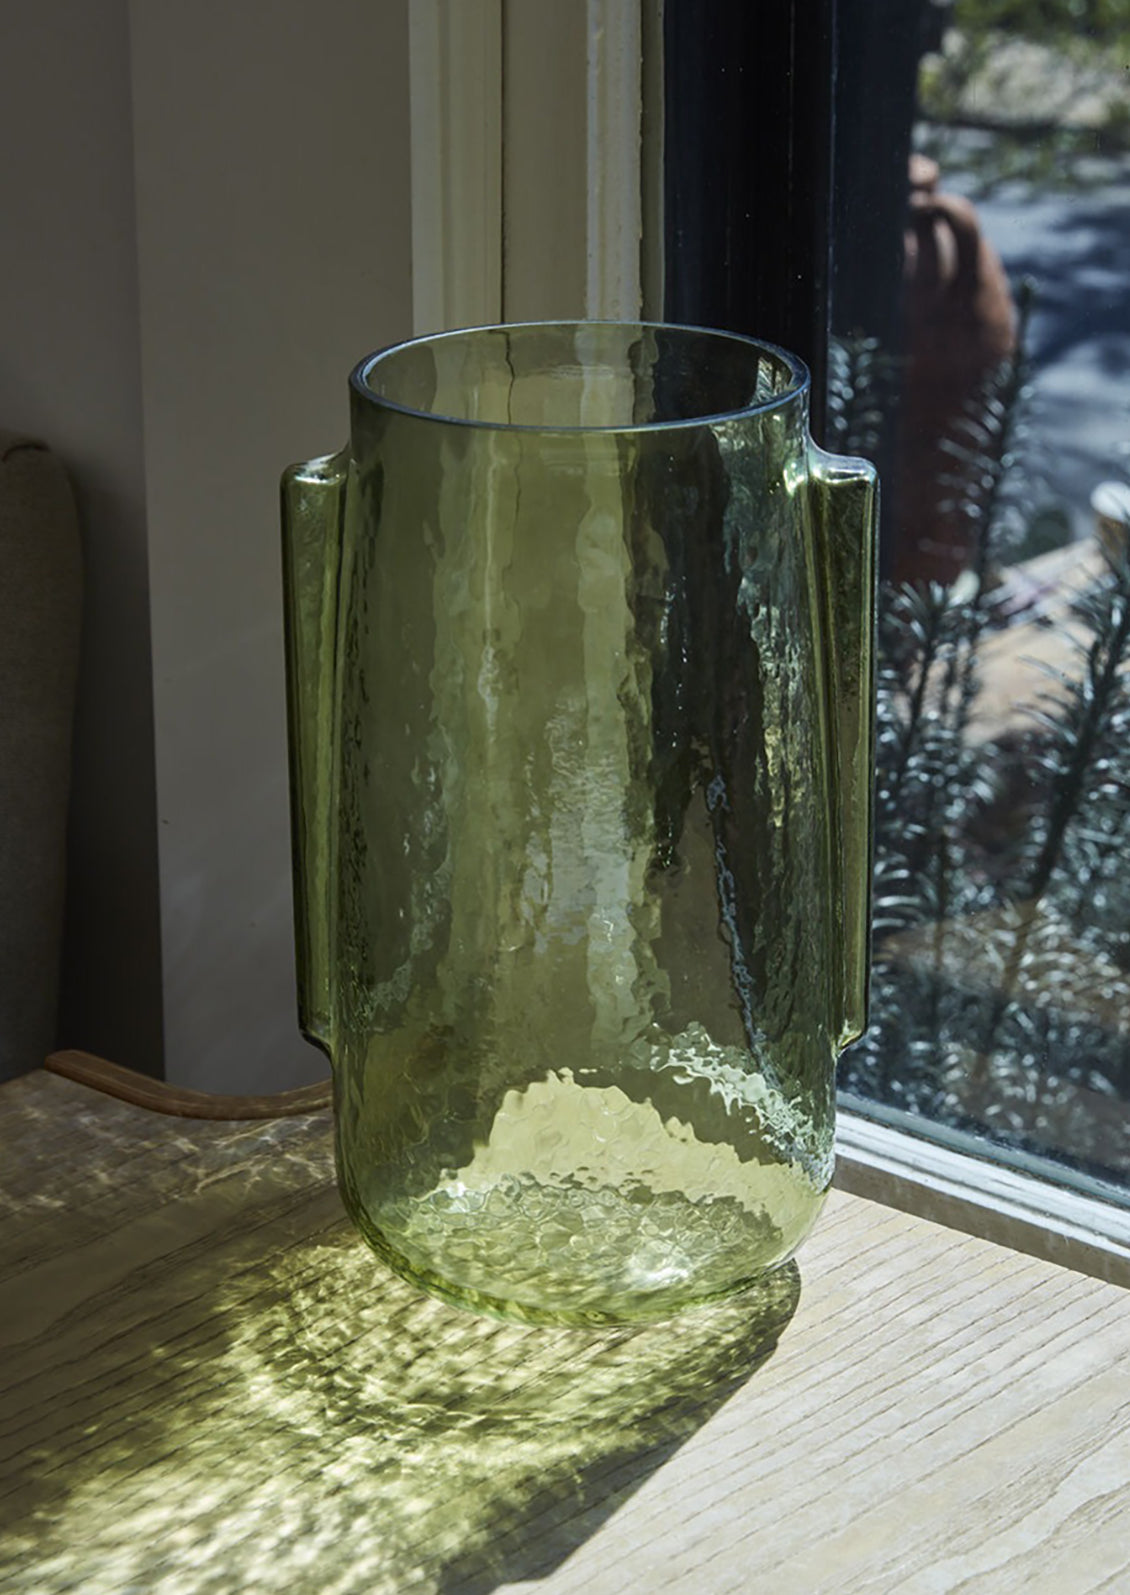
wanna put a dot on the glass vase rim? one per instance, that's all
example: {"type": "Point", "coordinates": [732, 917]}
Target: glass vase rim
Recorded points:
{"type": "Point", "coordinates": [798, 387]}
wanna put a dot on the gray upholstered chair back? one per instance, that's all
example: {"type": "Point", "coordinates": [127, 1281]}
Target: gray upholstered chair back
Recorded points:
{"type": "Point", "coordinates": [40, 617]}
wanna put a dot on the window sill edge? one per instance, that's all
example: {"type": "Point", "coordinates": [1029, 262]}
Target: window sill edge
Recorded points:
{"type": "Point", "coordinates": [981, 1198]}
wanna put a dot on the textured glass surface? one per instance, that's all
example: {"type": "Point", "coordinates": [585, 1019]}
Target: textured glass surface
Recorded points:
{"type": "Point", "coordinates": [580, 669]}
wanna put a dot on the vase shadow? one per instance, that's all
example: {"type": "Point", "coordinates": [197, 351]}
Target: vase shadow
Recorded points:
{"type": "Point", "coordinates": [485, 1452]}
{"type": "Point", "coordinates": [265, 1407]}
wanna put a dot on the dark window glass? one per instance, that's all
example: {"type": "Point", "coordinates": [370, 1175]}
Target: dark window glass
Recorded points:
{"type": "Point", "coordinates": [930, 201]}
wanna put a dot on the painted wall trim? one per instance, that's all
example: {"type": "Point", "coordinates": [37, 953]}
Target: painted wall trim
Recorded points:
{"type": "Point", "coordinates": [528, 185]}
{"type": "Point", "coordinates": [455, 64]}
{"type": "Point", "coordinates": [614, 133]}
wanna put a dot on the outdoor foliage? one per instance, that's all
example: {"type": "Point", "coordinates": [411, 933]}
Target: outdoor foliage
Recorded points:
{"type": "Point", "coordinates": [1047, 77]}
{"type": "Point", "coordinates": [1056, 22]}
{"type": "Point", "coordinates": [1001, 985]}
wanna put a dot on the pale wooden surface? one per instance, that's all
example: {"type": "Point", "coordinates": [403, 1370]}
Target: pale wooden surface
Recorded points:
{"type": "Point", "coordinates": [206, 1384]}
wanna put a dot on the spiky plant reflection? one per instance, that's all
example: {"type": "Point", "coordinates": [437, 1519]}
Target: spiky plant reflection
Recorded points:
{"type": "Point", "coordinates": [1001, 983]}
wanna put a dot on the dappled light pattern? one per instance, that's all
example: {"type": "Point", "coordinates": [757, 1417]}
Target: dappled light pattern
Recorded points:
{"type": "Point", "coordinates": [217, 1384]}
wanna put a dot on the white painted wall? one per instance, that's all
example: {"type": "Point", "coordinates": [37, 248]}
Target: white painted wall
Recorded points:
{"type": "Point", "coordinates": [209, 217]}
{"type": "Point", "coordinates": [274, 227]}
{"type": "Point", "coordinates": [207, 220]}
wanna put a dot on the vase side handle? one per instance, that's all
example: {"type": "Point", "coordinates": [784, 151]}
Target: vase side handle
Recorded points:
{"type": "Point", "coordinates": [846, 507]}
{"type": "Point", "coordinates": [313, 520]}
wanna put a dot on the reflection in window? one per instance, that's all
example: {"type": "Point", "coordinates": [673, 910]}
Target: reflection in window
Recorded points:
{"type": "Point", "coordinates": [982, 356]}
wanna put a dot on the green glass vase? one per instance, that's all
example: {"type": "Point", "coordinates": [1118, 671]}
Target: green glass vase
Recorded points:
{"type": "Point", "coordinates": [580, 666]}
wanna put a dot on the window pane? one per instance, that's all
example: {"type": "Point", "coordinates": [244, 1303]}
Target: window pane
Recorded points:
{"type": "Point", "coordinates": [981, 355]}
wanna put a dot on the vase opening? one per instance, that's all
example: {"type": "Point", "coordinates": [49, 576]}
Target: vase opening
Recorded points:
{"type": "Point", "coordinates": [581, 375]}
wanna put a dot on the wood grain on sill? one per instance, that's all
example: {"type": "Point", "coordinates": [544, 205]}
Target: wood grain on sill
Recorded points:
{"type": "Point", "coordinates": [208, 1384]}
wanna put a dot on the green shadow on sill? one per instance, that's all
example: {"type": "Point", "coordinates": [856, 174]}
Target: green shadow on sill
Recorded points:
{"type": "Point", "coordinates": [264, 1407]}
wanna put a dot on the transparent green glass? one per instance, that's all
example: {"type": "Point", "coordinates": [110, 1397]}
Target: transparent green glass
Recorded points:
{"type": "Point", "coordinates": [581, 689]}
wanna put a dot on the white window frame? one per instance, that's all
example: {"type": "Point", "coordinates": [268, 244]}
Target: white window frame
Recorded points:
{"type": "Point", "coordinates": [528, 186]}
{"type": "Point", "coordinates": [982, 1197]}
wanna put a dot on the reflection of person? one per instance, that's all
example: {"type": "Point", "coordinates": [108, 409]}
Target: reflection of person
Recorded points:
{"type": "Point", "coordinates": [959, 324]}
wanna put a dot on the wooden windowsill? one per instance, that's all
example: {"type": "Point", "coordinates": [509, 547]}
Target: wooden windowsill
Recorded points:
{"type": "Point", "coordinates": [208, 1384]}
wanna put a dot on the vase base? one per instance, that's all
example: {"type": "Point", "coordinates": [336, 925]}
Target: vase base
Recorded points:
{"type": "Point", "coordinates": [569, 1256]}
